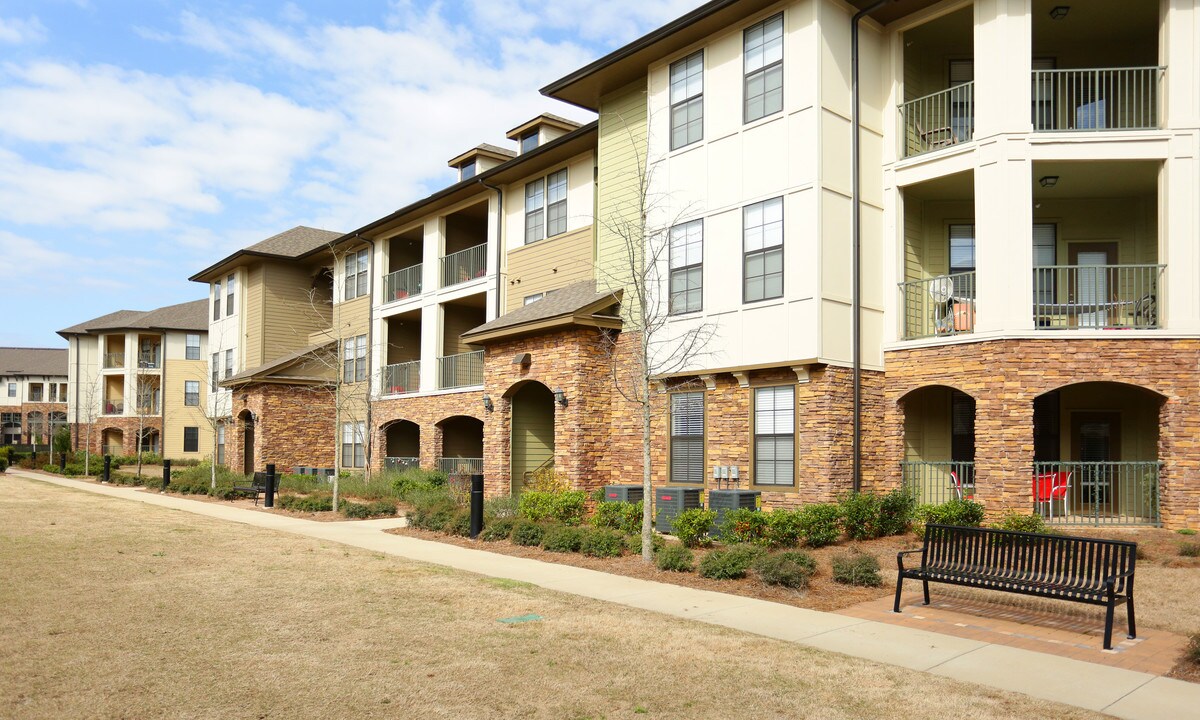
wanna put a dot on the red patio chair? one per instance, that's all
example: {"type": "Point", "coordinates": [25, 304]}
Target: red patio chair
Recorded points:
{"type": "Point", "coordinates": [957, 486]}
{"type": "Point", "coordinates": [1048, 487]}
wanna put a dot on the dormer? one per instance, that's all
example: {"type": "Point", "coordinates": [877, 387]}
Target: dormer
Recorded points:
{"type": "Point", "coordinates": [540, 130]}
{"type": "Point", "coordinates": [478, 159]}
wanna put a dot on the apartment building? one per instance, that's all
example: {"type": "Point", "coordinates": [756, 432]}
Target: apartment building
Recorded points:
{"type": "Point", "coordinates": [136, 381]}
{"type": "Point", "coordinates": [33, 394]}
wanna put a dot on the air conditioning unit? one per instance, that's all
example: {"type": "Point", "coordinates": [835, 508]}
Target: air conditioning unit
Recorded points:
{"type": "Point", "coordinates": [670, 501]}
{"type": "Point", "coordinates": [301, 470]}
{"type": "Point", "coordinates": [623, 493]}
{"type": "Point", "coordinates": [725, 500]}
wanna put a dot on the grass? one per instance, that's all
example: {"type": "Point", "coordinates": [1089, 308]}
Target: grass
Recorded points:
{"type": "Point", "coordinates": [118, 609]}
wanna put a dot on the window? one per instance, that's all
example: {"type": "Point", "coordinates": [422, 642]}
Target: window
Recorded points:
{"type": "Point", "coordinates": [762, 242]}
{"type": "Point", "coordinates": [35, 392]}
{"type": "Point", "coordinates": [763, 50]}
{"type": "Point", "coordinates": [54, 392]}
{"type": "Point", "coordinates": [687, 437]}
{"type": "Point", "coordinates": [62, 392]}
{"type": "Point", "coordinates": [229, 362]}
{"type": "Point", "coordinates": [221, 444]}
{"type": "Point", "coordinates": [216, 370]}
{"type": "Point", "coordinates": [356, 275]}
{"type": "Point", "coordinates": [191, 393]}
{"type": "Point", "coordinates": [352, 444]}
{"type": "Point", "coordinates": [687, 100]}
{"type": "Point", "coordinates": [191, 439]}
{"type": "Point", "coordinates": [466, 170]}
{"type": "Point", "coordinates": [354, 359]}
{"type": "Point", "coordinates": [12, 389]}
{"type": "Point", "coordinates": [192, 344]}
{"type": "Point", "coordinates": [529, 141]}
{"type": "Point", "coordinates": [216, 301]}
{"type": "Point", "coordinates": [687, 267]}
{"type": "Point", "coordinates": [534, 298]}
{"type": "Point", "coordinates": [774, 435]}
{"type": "Point", "coordinates": [962, 260]}
{"type": "Point", "coordinates": [1045, 256]}
{"type": "Point", "coordinates": [546, 207]}
{"type": "Point", "coordinates": [230, 288]}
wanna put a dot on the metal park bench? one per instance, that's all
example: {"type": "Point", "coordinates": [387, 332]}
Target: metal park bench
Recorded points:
{"type": "Point", "coordinates": [257, 486]}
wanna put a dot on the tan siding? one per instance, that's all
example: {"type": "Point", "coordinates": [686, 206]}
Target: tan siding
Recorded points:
{"type": "Point", "coordinates": [621, 149]}
{"type": "Point", "coordinates": [913, 240]}
{"type": "Point", "coordinates": [177, 415]}
{"type": "Point", "coordinates": [289, 313]}
{"type": "Point", "coordinates": [548, 265]}
{"type": "Point", "coordinates": [456, 321]}
{"type": "Point", "coordinates": [351, 319]}
{"type": "Point", "coordinates": [252, 347]}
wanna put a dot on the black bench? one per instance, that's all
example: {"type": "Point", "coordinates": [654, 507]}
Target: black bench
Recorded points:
{"type": "Point", "coordinates": [1084, 570]}
{"type": "Point", "coordinates": [257, 486]}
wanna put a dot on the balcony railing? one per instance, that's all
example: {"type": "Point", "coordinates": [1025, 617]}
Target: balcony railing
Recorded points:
{"type": "Point", "coordinates": [461, 466]}
{"type": "Point", "coordinates": [939, 306]}
{"type": "Point", "coordinates": [116, 407]}
{"type": "Point", "coordinates": [149, 360]}
{"type": "Point", "coordinates": [114, 360]}
{"type": "Point", "coordinates": [934, 483]}
{"type": "Point", "coordinates": [1096, 99]}
{"type": "Point", "coordinates": [461, 370]}
{"type": "Point", "coordinates": [400, 463]}
{"type": "Point", "coordinates": [938, 120]}
{"type": "Point", "coordinates": [114, 450]}
{"type": "Point", "coordinates": [1108, 297]}
{"type": "Point", "coordinates": [1097, 493]}
{"type": "Point", "coordinates": [464, 265]}
{"type": "Point", "coordinates": [402, 283]}
{"type": "Point", "coordinates": [401, 378]}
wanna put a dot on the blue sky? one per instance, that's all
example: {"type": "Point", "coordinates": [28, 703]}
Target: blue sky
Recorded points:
{"type": "Point", "coordinates": [141, 140]}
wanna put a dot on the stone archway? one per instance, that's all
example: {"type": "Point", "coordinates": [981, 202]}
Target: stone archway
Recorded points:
{"type": "Point", "coordinates": [532, 432]}
{"type": "Point", "coordinates": [461, 445]}
{"type": "Point", "coordinates": [246, 418]}
{"type": "Point", "coordinates": [402, 445]}
{"type": "Point", "coordinates": [939, 443]}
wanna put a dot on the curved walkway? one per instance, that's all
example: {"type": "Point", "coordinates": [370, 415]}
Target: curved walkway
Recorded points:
{"type": "Point", "coordinates": [1116, 691]}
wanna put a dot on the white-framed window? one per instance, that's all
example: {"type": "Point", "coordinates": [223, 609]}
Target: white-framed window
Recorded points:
{"type": "Point", "coordinates": [353, 434]}
{"type": "Point", "coordinates": [687, 100]}
{"type": "Point", "coordinates": [216, 296]}
{"type": "Point", "coordinates": [216, 370]}
{"type": "Point", "coordinates": [762, 245]}
{"type": "Point", "coordinates": [687, 437]}
{"type": "Point", "coordinates": [191, 393]}
{"type": "Point", "coordinates": [54, 392]}
{"type": "Point", "coordinates": [12, 389]}
{"type": "Point", "coordinates": [36, 392]}
{"type": "Point", "coordinates": [230, 289]}
{"type": "Point", "coordinates": [687, 267]}
{"type": "Point", "coordinates": [762, 47]}
{"type": "Point", "coordinates": [546, 207]}
{"type": "Point", "coordinates": [775, 435]}
{"type": "Point", "coordinates": [229, 362]}
{"type": "Point", "coordinates": [221, 444]}
{"type": "Point", "coordinates": [962, 259]}
{"type": "Point", "coordinates": [534, 298]}
{"type": "Point", "coordinates": [356, 275]}
{"type": "Point", "coordinates": [354, 359]}
{"type": "Point", "coordinates": [192, 347]}
{"type": "Point", "coordinates": [191, 439]}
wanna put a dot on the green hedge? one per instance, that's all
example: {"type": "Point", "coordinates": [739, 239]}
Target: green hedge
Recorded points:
{"type": "Point", "coordinates": [565, 507]}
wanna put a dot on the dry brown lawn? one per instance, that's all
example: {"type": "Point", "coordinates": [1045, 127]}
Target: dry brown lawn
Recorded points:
{"type": "Point", "coordinates": [114, 609]}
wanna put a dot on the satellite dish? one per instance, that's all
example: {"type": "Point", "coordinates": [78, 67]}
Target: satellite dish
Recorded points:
{"type": "Point", "coordinates": [941, 288]}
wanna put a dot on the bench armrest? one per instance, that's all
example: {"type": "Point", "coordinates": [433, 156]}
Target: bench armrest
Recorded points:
{"type": "Point", "coordinates": [900, 557]}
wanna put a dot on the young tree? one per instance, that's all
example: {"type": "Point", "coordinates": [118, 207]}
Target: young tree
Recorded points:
{"type": "Point", "coordinates": [639, 227]}
{"type": "Point", "coordinates": [147, 403]}
{"type": "Point", "coordinates": [88, 394]}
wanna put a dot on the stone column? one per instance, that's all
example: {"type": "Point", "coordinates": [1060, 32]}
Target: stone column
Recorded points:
{"type": "Point", "coordinates": [1004, 450]}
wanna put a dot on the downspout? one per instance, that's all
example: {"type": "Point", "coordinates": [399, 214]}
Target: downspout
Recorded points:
{"type": "Point", "coordinates": [499, 240]}
{"type": "Point", "coordinates": [856, 235]}
{"type": "Point", "coordinates": [75, 342]}
{"type": "Point", "coordinates": [370, 344]}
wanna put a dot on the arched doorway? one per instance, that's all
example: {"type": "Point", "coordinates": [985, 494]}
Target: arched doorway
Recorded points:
{"type": "Point", "coordinates": [462, 445]}
{"type": "Point", "coordinates": [532, 439]}
{"type": "Point", "coordinates": [247, 420]}
{"type": "Point", "coordinates": [939, 444]}
{"type": "Point", "coordinates": [112, 442]}
{"type": "Point", "coordinates": [402, 445]}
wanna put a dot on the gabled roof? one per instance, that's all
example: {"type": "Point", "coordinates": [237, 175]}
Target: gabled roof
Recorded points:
{"type": "Point", "coordinates": [287, 245]}
{"type": "Point", "coordinates": [577, 304]}
{"type": "Point", "coordinates": [184, 316]}
{"type": "Point", "coordinates": [268, 372]}
{"type": "Point", "coordinates": [33, 361]}
{"type": "Point", "coordinates": [557, 121]}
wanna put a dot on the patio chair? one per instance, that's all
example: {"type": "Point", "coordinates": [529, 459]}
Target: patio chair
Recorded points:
{"type": "Point", "coordinates": [957, 486]}
{"type": "Point", "coordinates": [1051, 487]}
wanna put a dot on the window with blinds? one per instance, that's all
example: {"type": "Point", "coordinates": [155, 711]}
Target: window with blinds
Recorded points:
{"type": "Point", "coordinates": [687, 438]}
{"type": "Point", "coordinates": [962, 427]}
{"type": "Point", "coordinates": [775, 436]}
{"type": "Point", "coordinates": [962, 259]}
{"type": "Point", "coordinates": [1045, 255]}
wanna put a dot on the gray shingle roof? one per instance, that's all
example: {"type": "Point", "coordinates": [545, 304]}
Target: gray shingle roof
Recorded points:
{"type": "Point", "coordinates": [313, 351]}
{"type": "Point", "coordinates": [33, 361]}
{"type": "Point", "coordinates": [295, 242]}
{"type": "Point", "coordinates": [558, 303]}
{"type": "Point", "coordinates": [184, 316]}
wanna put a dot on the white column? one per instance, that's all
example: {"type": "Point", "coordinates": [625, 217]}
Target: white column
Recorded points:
{"type": "Point", "coordinates": [1004, 240]}
{"type": "Point", "coordinates": [1179, 218]}
{"type": "Point", "coordinates": [1178, 52]}
{"type": "Point", "coordinates": [1003, 66]}
{"type": "Point", "coordinates": [431, 325]}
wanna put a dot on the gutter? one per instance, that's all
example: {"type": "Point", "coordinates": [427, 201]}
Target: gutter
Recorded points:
{"type": "Point", "coordinates": [370, 348]}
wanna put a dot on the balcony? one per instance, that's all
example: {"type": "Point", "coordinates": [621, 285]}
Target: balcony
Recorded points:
{"type": "Point", "coordinates": [1099, 297]}
{"type": "Point", "coordinates": [114, 407]}
{"type": "Point", "coordinates": [939, 306]}
{"type": "Point", "coordinates": [149, 359]}
{"type": "Point", "coordinates": [402, 284]}
{"type": "Point", "coordinates": [114, 360]}
{"type": "Point", "coordinates": [461, 370]}
{"type": "Point", "coordinates": [464, 265]}
{"type": "Point", "coordinates": [399, 464]}
{"type": "Point", "coordinates": [401, 378]}
{"type": "Point", "coordinates": [1097, 99]}
{"type": "Point", "coordinates": [938, 120]}
{"type": "Point", "coordinates": [934, 483]}
{"type": "Point", "coordinates": [1097, 493]}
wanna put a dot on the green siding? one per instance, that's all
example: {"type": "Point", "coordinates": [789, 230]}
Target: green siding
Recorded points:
{"type": "Point", "coordinates": [621, 150]}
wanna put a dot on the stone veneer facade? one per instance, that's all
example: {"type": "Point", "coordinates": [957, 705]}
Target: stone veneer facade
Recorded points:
{"type": "Point", "coordinates": [45, 408]}
{"type": "Point", "coordinates": [128, 427]}
{"type": "Point", "coordinates": [293, 425]}
{"type": "Point", "coordinates": [1005, 376]}
{"type": "Point", "coordinates": [427, 412]}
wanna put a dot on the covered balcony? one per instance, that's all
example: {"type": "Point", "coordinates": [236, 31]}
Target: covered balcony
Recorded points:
{"type": "Point", "coordinates": [402, 373]}
{"type": "Point", "coordinates": [462, 445]}
{"type": "Point", "coordinates": [403, 445]}
{"type": "Point", "coordinates": [461, 364]}
{"type": "Point", "coordinates": [938, 293]}
{"type": "Point", "coordinates": [149, 352]}
{"type": "Point", "coordinates": [114, 395]}
{"type": "Point", "coordinates": [148, 396]}
{"type": "Point", "coordinates": [939, 89]}
{"type": "Point", "coordinates": [465, 255]}
{"type": "Point", "coordinates": [113, 351]}
{"type": "Point", "coordinates": [404, 265]}
{"type": "Point", "coordinates": [939, 444]}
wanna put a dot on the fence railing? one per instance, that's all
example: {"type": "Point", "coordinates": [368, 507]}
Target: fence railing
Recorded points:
{"type": "Point", "coordinates": [1097, 493]}
{"type": "Point", "coordinates": [938, 120]}
{"type": "Point", "coordinates": [934, 483]}
{"type": "Point", "coordinates": [460, 370]}
{"type": "Point", "coordinates": [114, 407]}
{"type": "Point", "coordinates": [402, 283]}
{"type": "Point", "coordinates": [464, 265]}
{"type": "Point", "coordinates": [461, 466]}
{"type": "Point", "coordinates": [114, 450]}
{"type": "Point", "coordinates": [1097, 99]}
{"type": "Point", "coordinates": [400, 463]}
{"type": "Point", "coordinates": [149, 359]}
{"type": "Point", "coordinates": [114, 360]}
{"type": "Point", "coordinates": [1097, 296]}
{"type": "Point", "coordinates": [944, 305]}
{"type": "Point", "coordinates": [401, 378]}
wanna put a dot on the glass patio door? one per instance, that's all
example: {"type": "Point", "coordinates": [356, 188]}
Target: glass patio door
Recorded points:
{"type": "Point", "coordinates": [1091, 289]}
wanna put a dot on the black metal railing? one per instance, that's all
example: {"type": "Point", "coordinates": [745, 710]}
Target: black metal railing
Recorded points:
{"type": "Point", "coordinates": [938, 120]}
{"type": "Point", "coordinates": [1096, 99]}
{"type": "Point", "coordinates": [943, 305]}
{"type": "Point", "coordinates": [934, 483]}
{"type": "Point", "coordinates": [1097, 493]}
{"type": "Point", "coordinates": [1097, 296]}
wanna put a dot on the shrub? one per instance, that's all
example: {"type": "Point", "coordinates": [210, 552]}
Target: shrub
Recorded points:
{"type": "Point", "coordinates": [1189, 550]}
{"type": "Point", "coordinates": [1192, 652]}
{"type": "Point", "coordinates": [1186, 531]}
{"type": "Point", "coordinates": [730, 564]}
{"type": "Point", "coordinates": [692, 526]}
{"type": "Point", "coordinates": [821, 524]}
{"type": "Point", "coordinates": [459, 523]}
{"type": "Point", "coordinates": [306, 503]}
{"type": "Point", "coordinates": [565, 507]}
{"type": "Point", "coordinates": [382, 508]}
{"type": "Point", "coordinates": [498, 529]}
{"type": "Point", "coordinates": [784, 528]}
{"type": "Point", "coordinates": [623, 516]}
{"type": "Point", "coordinates": [528, 533]}
{"type": "Point", "coordinates": [602, 542]}
{"type": "Point", "coordinates": [964, 513]}
{"type": "Point", "coordinates": [562, 538]}
{"type": "Point", "coordinates": [354, 510]}
{"type": "Point", "coordinates": [789, 569]}
{"type": "Point", "coordinates": [410, 480]}
{"type": "Point", "coordinates": [860, 515]}
{"type": "Point", "coordinates": [856, 568]}
{"type": "Point", "coordinates": [745, 526]}
{"type": "Point", "coordinates": [634, 543]}
{"type": "Point", "coordinates": [1020, 522]}
{"type": "Point", "coordinates": [547, 480]}
{"type": "Point", "coordinates": [675, 558]}
{"type": "Point", "coordinates": [223, 493]}
{"type": "Point", "coordinates": [896, 512]}
{"type": "Point", "coordinates": [500, 507]}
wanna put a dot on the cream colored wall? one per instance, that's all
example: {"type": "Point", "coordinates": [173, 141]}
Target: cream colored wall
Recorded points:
{"type": "Point", "coordinates": [580, 170]}
{"type": "Point", "coordinates": [548, 265]}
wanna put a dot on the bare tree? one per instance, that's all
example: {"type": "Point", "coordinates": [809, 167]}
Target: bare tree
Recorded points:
{"type": "Point", "coordinates": [147, 401]}
{"type": "Point", "coordinates": [88, 393]}
{"type": "Point", "coordinates": [641, 226]}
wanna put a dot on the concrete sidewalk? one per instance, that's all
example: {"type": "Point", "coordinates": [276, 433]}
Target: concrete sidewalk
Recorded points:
{"type": "Point", "coordinates": [1119, 692]}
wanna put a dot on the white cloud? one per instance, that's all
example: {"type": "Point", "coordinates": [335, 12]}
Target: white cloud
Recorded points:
{"type": "Point", "coordinates": [15, 31]}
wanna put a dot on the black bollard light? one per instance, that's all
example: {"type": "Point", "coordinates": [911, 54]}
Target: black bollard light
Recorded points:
{"type": "Point", "coordinates": [108, 468]}
{"type": "Point", "coordinates": [269, 500]}
{"type": "Point", "coordinates": [476, 505]}
{"type": "Point", "coordinates": [62, 462]}
{"type": "Point", "coordinates": [166, 474]}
